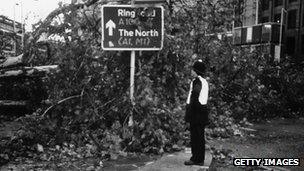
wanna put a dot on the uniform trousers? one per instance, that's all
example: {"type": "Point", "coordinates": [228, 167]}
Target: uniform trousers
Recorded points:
{"type": "Point", "coordinates": [197, 135]}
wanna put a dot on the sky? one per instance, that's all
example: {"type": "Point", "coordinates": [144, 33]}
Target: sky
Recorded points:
{"type": "Point", "coordinates": [31, 10]}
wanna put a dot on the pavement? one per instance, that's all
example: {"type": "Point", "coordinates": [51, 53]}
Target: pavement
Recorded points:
{"type": "Point", "coordinates": [176, 161]}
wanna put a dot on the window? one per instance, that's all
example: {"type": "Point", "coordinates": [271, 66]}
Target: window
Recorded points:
{"type": "Point", "coordinates": [265, 5]}
{"type": "Point", "coordinates": [303, 18]}
{"type": "Point", "coordinates": [290, 45]}
{"type": "Point", "coordinates": [277, 18]}
{"type": "Point", "coordinates": [265, 19]}
{"type": "Point", "coordinates": [302, 47]}
{"type": "Point", "coordinates": [237, 36]}
{"type": "Point", "coordinates": [292, 19]}
{"type": "Point", "coordinates": [278, 3]}
{"type": "Point", "coordinates": [266, 33]}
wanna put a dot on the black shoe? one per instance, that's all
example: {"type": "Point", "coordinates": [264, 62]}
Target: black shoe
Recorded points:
{"type": "Point", "coordinates": [200, 163]}
{"type": "Point", "coordinates": [190, 162]}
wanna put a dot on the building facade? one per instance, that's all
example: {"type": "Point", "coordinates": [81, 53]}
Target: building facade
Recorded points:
{"type": "Point", "coordinates": [246, 13]}
{"type": "Point", "coordinates": [255, 12]}
{"type": "Point", "coordinates": [10, 35]}
{"type": "Point", "coordinates": [293, 20]}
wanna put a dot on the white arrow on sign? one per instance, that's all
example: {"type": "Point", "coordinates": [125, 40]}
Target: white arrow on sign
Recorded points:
{"type": "Point", "coordinates": [111, 44]}
{"type": "Point", "coordinates": [110, 25]}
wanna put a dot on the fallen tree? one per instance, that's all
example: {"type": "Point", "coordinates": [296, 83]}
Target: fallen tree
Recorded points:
{"type": "Point", "coordinates": [11, 61]}
{"type": "Point", "coordinates": [29, 71]}
{"type": "Point", "coordinates": [12, 103]}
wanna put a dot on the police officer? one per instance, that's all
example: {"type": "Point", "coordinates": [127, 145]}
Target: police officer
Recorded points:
{"type": "Point", "coordinates": [197, 113]}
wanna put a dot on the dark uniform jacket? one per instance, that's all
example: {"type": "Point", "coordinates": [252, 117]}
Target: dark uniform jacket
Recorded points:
{"type": "Point", "coordinates": [196, 108]}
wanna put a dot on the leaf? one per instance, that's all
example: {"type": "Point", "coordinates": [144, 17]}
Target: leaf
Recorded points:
{"type": "Point", "coordinates": [40, 148]}
{"type": "Point", "coordinates": [90, 168]}
{"type": "Point", "coordinates": [114, 156]}
{"type": "Point", "coordinates": [130, 122]}
{"type": "Point", "coordinates": [161, 151]}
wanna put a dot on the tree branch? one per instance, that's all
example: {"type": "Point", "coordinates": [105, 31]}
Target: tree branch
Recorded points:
{"type": "Point", "coordinates": [56, 12]}
{"type": "Point", "coordinates": [59, 102]}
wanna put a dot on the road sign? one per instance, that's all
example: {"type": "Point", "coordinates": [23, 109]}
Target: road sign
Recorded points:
{"type": "Point", "coordinates": [121, 31]}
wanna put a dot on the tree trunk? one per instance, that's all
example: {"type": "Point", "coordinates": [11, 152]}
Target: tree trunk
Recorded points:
{"type": "Point", "coordinates": [29, 71]}
{"type": "Point", "coordinates": [12, 103]}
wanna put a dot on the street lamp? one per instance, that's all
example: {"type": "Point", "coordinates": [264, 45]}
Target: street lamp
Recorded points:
{"type": "Point", "coordinates": [282, 20]}
{"type": "Point", "coordinates": [22, 26]}
{"type": "Point", "coordinates": [22, 23]}
{"type": "Point", "coordinates": [257, 12]}
{"type": "Point", "coordinates": [277, 57]}
{"type": "Point", "coordinates": [14, 26]}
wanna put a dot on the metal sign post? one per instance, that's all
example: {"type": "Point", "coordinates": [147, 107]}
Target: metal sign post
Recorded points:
{"type": "Point", "coordinates": [132, 73]}
{"type": "Point", "coordinates": [121, 31]}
